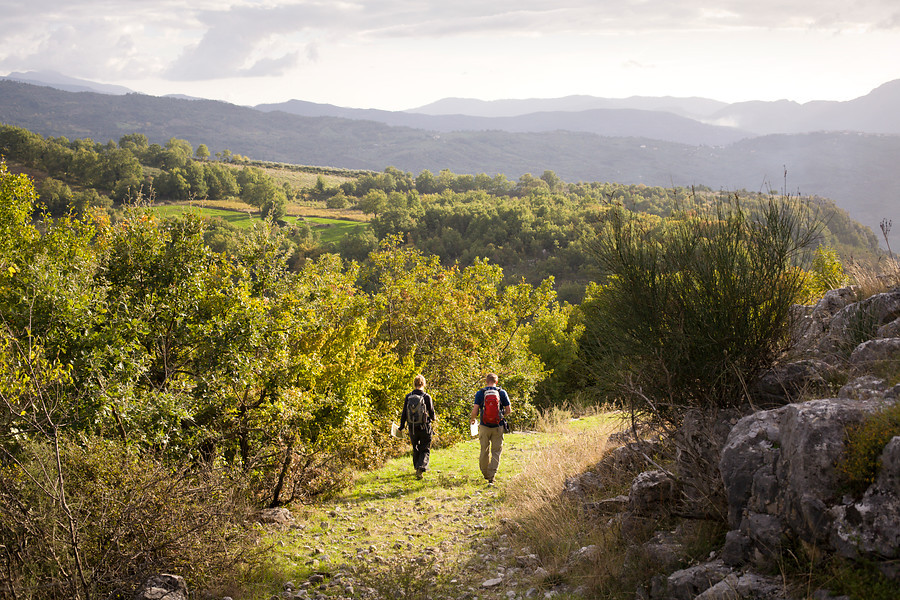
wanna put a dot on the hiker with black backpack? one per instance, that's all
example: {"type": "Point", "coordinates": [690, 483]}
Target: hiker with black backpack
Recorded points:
{"type": "Point", "coordinates": [418, 411]}
{"type": "Point", "coordinates": [492, 403]}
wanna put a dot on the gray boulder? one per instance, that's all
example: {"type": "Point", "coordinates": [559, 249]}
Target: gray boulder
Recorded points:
{"type": "Point", "coordinates": [778, 469]}
{"type": "Point", "coordinates": [583, 485]}
{"type": "Point", "coordinates": [889, 330]}
{"type": "Point", "coordinates": [686, 584]}
{"type": "Point", "coordinates": [859, 322]}
{"type": "Point", "coordinates": [866, 387]}
{"type": "Point", "coordinates": [871, 353]}
{"type": "Point", "coordinates": [652, 492]}
{"type": "Point", "coordinates": [275, 516]}
{"type": "Point", "coordinates": [163, 587]}
{"type": "Point", "coordinates": [871, 526]}
{"type": "Point", "coordinates": [811, 324]}
{"type": "Point", "coordinates": [629, 458]}
{"type": "Point", "coordinates": [788, 382]}
{"type": "Point", "coordinates": [748, 586]}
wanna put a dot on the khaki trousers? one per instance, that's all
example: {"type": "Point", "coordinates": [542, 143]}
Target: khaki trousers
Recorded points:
{"type": "Point", "coordinates": [491, 439]}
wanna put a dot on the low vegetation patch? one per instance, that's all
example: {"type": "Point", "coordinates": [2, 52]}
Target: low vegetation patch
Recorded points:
{"type": "Point", "coordinates": [864, 445]}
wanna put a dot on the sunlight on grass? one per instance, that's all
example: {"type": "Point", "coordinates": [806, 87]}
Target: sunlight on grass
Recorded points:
{"type": "Point", "coordinates": [327, 228]}
{"type": "Point", "coordinates": [388, 517]}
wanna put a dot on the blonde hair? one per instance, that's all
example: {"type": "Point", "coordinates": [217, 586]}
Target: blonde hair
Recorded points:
{"type": "Point", "coordinates": [418, 381]}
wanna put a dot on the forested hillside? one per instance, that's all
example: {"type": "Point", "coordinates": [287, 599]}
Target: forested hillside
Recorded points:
{"type": "Point", "coordinates": [856, 170]}
{"type": "Point", "coordinates": [533, 227]}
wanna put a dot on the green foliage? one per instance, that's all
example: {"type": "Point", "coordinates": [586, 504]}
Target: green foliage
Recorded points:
{"type": "Point", "coordinates": [693, 307]}
{"type": "Point", "coordinates": [553, 337]}
{"type": "Point", "coordinates": [825, 273]}
{"type": "Point", "coordinates": [18, 199]}
{"type": "Point", "coordinates": [457, 324]}
{"type": "Point", "coordinates": [864, 444]}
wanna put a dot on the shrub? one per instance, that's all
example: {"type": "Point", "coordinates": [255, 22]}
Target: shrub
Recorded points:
{"type": "Point", "coordinates": [826, 273]}
{"type": "Point", "coordinates": [124, 516]}
{"type": "Point", "coordinates": [694, 307]}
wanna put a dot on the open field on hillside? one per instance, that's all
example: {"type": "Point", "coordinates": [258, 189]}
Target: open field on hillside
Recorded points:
{"type": "Point", "coordinates": [296, 176]}
{"type": "Point", "coordinates": [330, 225]}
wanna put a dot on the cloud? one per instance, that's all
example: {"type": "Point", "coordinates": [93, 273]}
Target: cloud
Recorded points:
{"type": "Point", "coordinates": [212, 39]}
{"type": "Point", "coordinates": [251, 41]}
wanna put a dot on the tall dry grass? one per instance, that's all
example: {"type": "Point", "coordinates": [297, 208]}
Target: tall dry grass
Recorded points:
{"type": "Point", "coordinates": [870, 280]}
{"type": "Point", "coordinates": [553, 526]}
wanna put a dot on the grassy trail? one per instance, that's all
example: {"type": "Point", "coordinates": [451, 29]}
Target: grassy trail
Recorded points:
{"type": "Point", "coordinates": [393, 536]}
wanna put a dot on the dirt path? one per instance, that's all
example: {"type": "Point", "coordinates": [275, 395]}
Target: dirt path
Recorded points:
{"type": "Point", "coordinates": [393, 536]}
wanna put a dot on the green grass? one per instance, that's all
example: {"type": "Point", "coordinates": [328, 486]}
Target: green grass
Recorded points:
{"type": "Point", "coordinates": [237, 218]}
{"type": "Point", "coordinates": [328, 230]}
{"type": "Point", "coordinates": [388, 520]}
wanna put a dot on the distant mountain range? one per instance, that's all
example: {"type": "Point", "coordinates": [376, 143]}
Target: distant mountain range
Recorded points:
{"type": "Point", "coordinates": [697, 121]}
{"type": "Point", "coordinates": [66, 83]}
{"type": "Point", "coordinates": [847, 151]}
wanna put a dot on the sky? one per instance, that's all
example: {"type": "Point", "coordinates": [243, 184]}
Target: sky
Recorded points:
{"type": "Point", "coordinates": [402, 54]}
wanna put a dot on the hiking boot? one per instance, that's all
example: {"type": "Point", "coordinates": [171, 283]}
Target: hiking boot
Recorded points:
{"type": "Point", "coordinates": [491, 481]}
{"type": "Point", "coordinates": [419, 473]}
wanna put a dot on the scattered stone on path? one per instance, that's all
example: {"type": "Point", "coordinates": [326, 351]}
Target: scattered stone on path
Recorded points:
{"type": "Point", "coordinates": [492, 582]}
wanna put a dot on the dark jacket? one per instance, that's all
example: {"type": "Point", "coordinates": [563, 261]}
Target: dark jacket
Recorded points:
{"type": "Point", "coordinates": [429, 408]}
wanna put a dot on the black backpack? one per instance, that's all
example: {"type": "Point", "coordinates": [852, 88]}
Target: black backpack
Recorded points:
{"type": "Point", "coordinates": [417, 412]}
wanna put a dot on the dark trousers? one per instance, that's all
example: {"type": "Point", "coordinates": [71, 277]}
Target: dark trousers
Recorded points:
{"type": "Point", "coordinates": [420, 436]}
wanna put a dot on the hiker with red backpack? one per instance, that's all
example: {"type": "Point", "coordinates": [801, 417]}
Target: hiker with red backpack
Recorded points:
{"type": "Point", "coordinates": [418, 411]}
{"type": "Point", "coordinates": [492, 404]}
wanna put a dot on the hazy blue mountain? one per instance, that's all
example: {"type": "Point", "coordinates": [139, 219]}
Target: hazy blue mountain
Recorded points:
{"type": "Point", "coordinates": [696, 121]}
{"type": "Point", "coordinates": [68, 84]}
{"type": "Point", "coordinates": [686, 107]}
{"type": "Point", "coordinates": [876, 112]}
{"type": "Point", "coordinates": [620, 122]}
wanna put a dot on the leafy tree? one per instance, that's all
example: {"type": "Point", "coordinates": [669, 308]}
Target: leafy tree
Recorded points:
{"type": "Point", "coordinates": [426, 183]}
{"type": "Point", "coordinates": [118, 165]}
{"type": "Point", "coordinates": [553, 337]}
{"type": "Point", "coordinates": [195, 176]}
{"type": "Point", "coordinates": [552, 180]}
{"type": "Point", "coordinates": [337, 202]}
{"type": "Point", "coordinates": [456, 324]}
{"type": "Point", "coordinates": [220, 181]}
{"type": "Point", "coordinates": [136, 143]}
{"type": "Point", "coordinates": [373, 202]}
{"type": "Point", "coordinates": [530, 185]}
{"type": "Point", "coordinates": [56, 196]}
{"type": "Point", "coordinates": [16, 231]}
{"type": "Point", "coordinates": [260, 190]}
{"type": "Point", "coordinates": [21, 144]}
{"type": "Point", "coordinates": [176, 154]}
{"type": "Point", "coordinates": [86, 167]}
{"type": "Point", "coordinates": [172, 184]}
{"type": "Point", "coordinates": [202, 152]}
